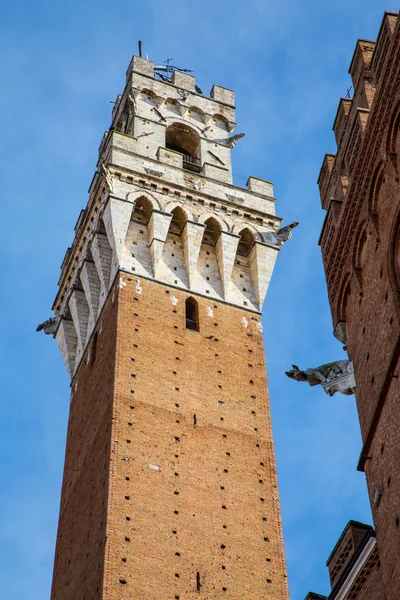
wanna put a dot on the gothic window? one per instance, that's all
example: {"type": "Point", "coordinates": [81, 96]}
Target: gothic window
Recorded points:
{"type": "Point", "coordinates": [192, 314]}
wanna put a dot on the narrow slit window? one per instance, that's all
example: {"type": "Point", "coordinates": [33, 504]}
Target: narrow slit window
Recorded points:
{"type": "Point", "coordinates": [192, 314]}
{"type": "Point", "coordinates": [94, 350]}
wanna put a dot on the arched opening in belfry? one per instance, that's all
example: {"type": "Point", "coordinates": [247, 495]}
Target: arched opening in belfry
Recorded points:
{"type": "Point", "coordinates": [178, 221]}
{"type": "Point", "coordinates": [192, 314]}
{"type": "Point", "coordinates": [137, 243]}
{"type": "Point", "coordinates": [208, 277]}
{"type": "Point", "coordinates": [142, 211]}
{"type": "Point", "coordinates": [173, 259]}
{"type": "Point", "coordinates": [242, 287]}
{"type": "Point", "coordinates": [211, 232]}
{"type": "Point", "coordinates": [181, 138]}
{"type": "Point", "coordinates": [245, 243]}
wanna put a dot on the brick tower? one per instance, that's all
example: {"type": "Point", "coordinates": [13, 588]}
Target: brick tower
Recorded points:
{"type": "Point", "coordinates": [360, 242]}
{"type": "Point", "coordinates": [170, 488]}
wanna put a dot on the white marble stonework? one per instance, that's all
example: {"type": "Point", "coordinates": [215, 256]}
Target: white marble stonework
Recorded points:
{"type": "Point", "coordinates": [171, 216]}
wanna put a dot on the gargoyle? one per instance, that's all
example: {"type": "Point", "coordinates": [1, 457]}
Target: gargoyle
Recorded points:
{"type": "Point", "coordinates": [49, 326]}
{"type": "Point", "coordinates": [328, 376]}
{"type": "Point", "coordinates": [231, 141]}
{"type": "Point", "coordinates": [278, 238]}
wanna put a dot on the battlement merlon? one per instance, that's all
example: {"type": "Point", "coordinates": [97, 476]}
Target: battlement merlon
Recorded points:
{"type": "Point", "coordinates": [324, 179]}
{"type": "Point", "coordinates": [361, 61]}
{"type": "Point", "coordinates": [179, 79]}
{"type": "Point", "coordinates": [352, 114]}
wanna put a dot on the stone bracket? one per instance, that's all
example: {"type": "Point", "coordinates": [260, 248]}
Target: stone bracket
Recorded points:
{"type": "Point", "coordinates": [102, 256]}
{"type": "Point", "coordinates": [67, 341]}
{"type": "Point", "coordinates": [91, 286]}
{"type": "Point", "coordinates": [116, 217]}
{"type": "Point", "coordinates": [226, 247]}
{"type": "Point", "coordinates": [158, 230]}
{"type": "Point", "coordinates": [262, 260]}
{"type": "Point", "coordinates": [80, 316]}
{"type": "Point", "coordinates": [192, 237]}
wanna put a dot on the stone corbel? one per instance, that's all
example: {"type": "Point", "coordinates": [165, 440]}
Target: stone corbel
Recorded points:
{"type": "Point", "coordinates": [226, 247]}
{"type": "Point", "coordinates": [183, 109]}
{"type": "Point", "coordinates": [262, 260]}
{"type": "Point", "coordinates": [80, 316]}
{"type": "Point", "coordinates": [102, 255]}
{"type": "Point", "coordinates": [91, 286]}
{"type": "Point", "coordinates": [159, 101]}
{"type": "Point", "coordinates": [158, 231]}
{"type": "Point", "coordinates": [192, 236]}
{"type": "Point", "coordinates": [345, 384]}
{"type": "Point", "coordinates": [67, 341]}
{"type": "Point", "coordinates": [116, 217]}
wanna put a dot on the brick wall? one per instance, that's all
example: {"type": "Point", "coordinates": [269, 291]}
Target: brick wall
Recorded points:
{"type": "Point", "coordinates": [193, 507]}
{"type": "Point", "coordinates": [79, 560]}
{"type": "Point", "coordinates": [360, 245]}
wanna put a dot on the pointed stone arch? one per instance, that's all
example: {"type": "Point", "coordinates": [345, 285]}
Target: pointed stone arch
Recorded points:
{"type": "Point", "coordinates": [212, 231]}
{"type": "Point", "coordinates": [179, 218]}
{"type": "Point", "coordinates": [241, 285]}
{"type": "Point", "coordinates": [203, 217]}
{"type": "Point", "coordinates": [239, 227]}
{"type": "Point", "coordinates": [173, 263]}
{"type": "Point", "coordinates": [147, 102]}
{"type": "Point", "coordinates": [220, 121]}
{"type": "Point", "coordinates": [148, 96]}
{"type": "Point", "coordinates": [246, 241]}
{"type": "Point", "coordinates": [136, 257]}
{"type": "Point", "coordinates": [170, 206]}
{"type": "Point", "coordinates": [208, 276]}
{"type": "Point", "coordinates": [143, 209]}
{"type": "Point", "coordinates": [173, 106]}
{"type": "Point", "coordinates": [197, 115]}
{"type": "Point", "coordinates": [134, 195]}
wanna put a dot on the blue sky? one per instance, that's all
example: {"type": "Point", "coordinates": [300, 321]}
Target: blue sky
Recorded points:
{"type": "Point", "coordinates": [61, 64]}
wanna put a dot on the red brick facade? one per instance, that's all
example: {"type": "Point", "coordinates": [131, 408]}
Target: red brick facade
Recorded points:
{"type": "Point", "coordinates": [354, 566]}
{"type": "Point", "coordinates": [170, 487]}
{"type": "Point", "coordinates": [360, 242]}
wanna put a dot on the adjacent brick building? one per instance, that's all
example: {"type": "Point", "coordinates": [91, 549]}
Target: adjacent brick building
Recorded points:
{"type": "Point", "coordinates": [360, 242]}
{"type": "Point", "coordinates": [354, 566]}
{"type": "Point", "coordinates": [170, 487]}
